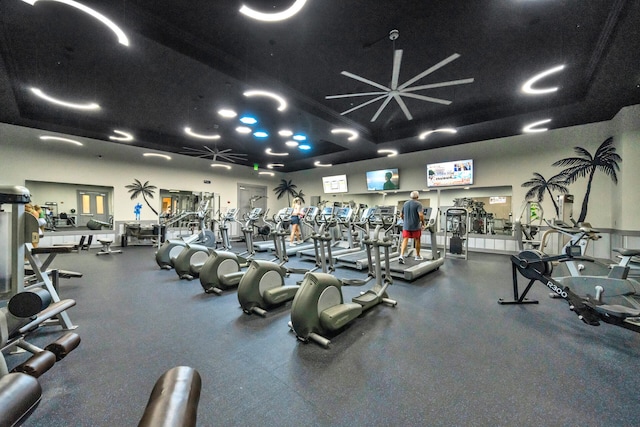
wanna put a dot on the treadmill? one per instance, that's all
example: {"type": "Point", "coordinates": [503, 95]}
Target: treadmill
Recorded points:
{"type": "Point", "coordinates": [308, 219]}
{"type": "Point", "coordinates": [412, 269]}
{"type": "Point", "coordinates": [343, 217]}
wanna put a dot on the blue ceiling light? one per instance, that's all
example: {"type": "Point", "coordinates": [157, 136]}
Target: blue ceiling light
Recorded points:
{"type": "Point", "coordinates": [248, 120]}
{"type": "Point", "coordinates": [299, 137]}
{"type": "Point", "coordinates": [261, 134]}
{"type": "Point", "coordinates": [304, 147]}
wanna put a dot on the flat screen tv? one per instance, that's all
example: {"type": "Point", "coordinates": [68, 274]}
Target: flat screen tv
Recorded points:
{"type": "Point", "coordinates": [335, 184]}
{"type": "Point", "coordinates": [446, 174]}
{"type": "Point", "coordinates": [382, 180]}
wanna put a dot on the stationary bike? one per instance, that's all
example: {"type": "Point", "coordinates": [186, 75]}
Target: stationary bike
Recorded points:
{"type": "Point", "coordinates": [319, 309]}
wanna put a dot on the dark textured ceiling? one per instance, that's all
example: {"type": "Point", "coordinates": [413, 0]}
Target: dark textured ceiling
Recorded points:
{"type": "Point", "coordinates": [188, 59]}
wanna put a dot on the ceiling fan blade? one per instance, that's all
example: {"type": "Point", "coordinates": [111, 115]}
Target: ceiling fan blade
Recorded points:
{"type": "Point", "coordinates": [395, 74]}
{"type": "Point", "coordinates": [429, 70]}
{"type": "Point", "coordinates": [349, 95]}
{"type": "Point", "coordinates": [426, 98]}
{"type": "Point", "coordinates": [442, 84]}
{"type": "Point", "coordinates": [191, 149]}
{"type": "Point", "coordinates": [403, 106]}
{"type": "Point", "coordinates": [371, 101]}
{"type": "Point", "coordinates": [226, 150]}
{"type": "Point", "coordinates": [363, 80]}
{"type": "Point", "coordinates": [209, 149]}
{"type": "Point", "coordinates": [384, 104]}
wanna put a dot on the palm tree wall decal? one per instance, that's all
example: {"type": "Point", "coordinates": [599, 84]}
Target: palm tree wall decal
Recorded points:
{"type": "Point", "coordinates": [137, 188]}
{"type": "Point", "coordinates": [584, 165]}
{"type": "Point", "coordinates": [286, 187]}
{"type": "Point", "coordinates": [539, 186]}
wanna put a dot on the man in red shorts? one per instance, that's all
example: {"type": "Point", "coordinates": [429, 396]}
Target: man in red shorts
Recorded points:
{"type": "Point", "coordinates": [412, 218]}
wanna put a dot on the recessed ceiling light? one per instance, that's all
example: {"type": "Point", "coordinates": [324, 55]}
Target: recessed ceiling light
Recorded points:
{"type": "Point", "coordinates": [271, 153]}
{"type": "Point", "coordinates": [423, 135]}
{"type": "Point", "coordinates": [300, 137]}
{"type": "Point", "coordinates": [291, 143]}
{"type": "Point", "coordinates": [281, 101]}
{"type": "Point", "coordinates": [164, 156]}
{"type": "Point", "coordinates": [228, 114]}
{"type": "Point", "coordinates": [322, 165]}
{"type": "Point", "coordinates": [266, 173]}
{"type": "Point", "coordinates": [122, 38]}
{"type": "Point", "coordinates": [275, 165]}
{"type": "Point", "coordinates": [388, 152]}
{"type": "Point", "coordinates": [531, 128]}
{"type": "Point", "coordinates": [528, 86]}
{"type": "Point", "coordinates": [220, 165]}
{"type": "Point", "coordinates": [243, 129]}
{"type": "Point", "coordinates": [248, 120]}
{"type": "Point", "coordinates": [285, 132]}
{"type": "Point", "coordinates": [57, 138]}
{"type": "Point", "coordinates": [41, 94]}
{"type": "Point", "coordinates": [189, 132]}
{"type": "Point", "coordinates": [273, 16]}
{"type": "Point", "coordinates": [304, 147]}
{"type": "Point", "coordinates": [260, 134]}
{"type": "Point", "coordinates": [124, 136]}
{"type": "Point", "coordinates": [353, 133]}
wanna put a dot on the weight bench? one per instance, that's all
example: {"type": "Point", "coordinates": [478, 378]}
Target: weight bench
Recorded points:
{"type": "Point", "coordinates": [26, 312]}
{"type": "Point", "coordinates": [106, 247]}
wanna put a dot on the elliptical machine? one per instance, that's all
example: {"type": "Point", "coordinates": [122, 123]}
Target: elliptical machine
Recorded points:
{"type": "Point", "coordinates": [262, 286]}
{"type": "Point", "coordinates": [221, 270]}
{"type": "Point", "coordinates": [319, 308]}
{"type": "Point", "coordinates": [171, 248]}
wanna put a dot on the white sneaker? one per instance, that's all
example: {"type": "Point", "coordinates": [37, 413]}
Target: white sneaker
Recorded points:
{"type": "Point", "coordinates": [419, 258]}
{"type": "Point", "coordinates": [292, 244]}
{"type": "Point", "coordinates": [401, 260]}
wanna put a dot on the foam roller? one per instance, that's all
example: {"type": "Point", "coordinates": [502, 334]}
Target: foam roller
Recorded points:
{"type": "Point", "coordinates": [37, 364]}
{"type": "Point", "coordinates": [64, 345]}
{"type": "Point", "coordinates": [29, 303]}
{"type": "Point", "coordinates": [19, 395]}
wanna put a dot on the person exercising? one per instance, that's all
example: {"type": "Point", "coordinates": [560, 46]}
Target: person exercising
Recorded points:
{"type": "Point", "coordinates": [295, 221]}
{"type": "Point", "coordinates": [412, 219]}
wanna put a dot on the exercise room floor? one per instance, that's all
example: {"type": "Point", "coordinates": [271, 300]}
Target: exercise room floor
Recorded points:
{"type": "Point", "coordinates": [447, 355]}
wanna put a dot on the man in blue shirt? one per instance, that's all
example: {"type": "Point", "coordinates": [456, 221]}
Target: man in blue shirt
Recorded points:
{"type": "Point", "coordinates": [412, 218]}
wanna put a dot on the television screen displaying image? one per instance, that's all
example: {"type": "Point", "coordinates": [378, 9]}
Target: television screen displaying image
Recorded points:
{"type": "Point", "coordinates": [385, 179]}
{"type": "Point", "coordinates": [335, 184]}
{"type": "Point", "coordinates": [459, 172]}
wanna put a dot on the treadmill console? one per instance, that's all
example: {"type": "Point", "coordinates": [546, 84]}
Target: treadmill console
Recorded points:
{"type": "Point", "coordinates": [285, 214]}
{"type": "Point", "coordinates": [310, 213]}
{"type": "Point", "coordinates": [427, 213]}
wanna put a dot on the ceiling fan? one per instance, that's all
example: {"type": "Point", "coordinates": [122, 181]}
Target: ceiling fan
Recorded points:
{"type": "Point", "coordinates": [214, 153]}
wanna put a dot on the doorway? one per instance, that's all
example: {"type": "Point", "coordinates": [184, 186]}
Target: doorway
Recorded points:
{"type": "Point", "coordinates": [92, 205]}
{"type": "Point", "coordinates": [249, 197]}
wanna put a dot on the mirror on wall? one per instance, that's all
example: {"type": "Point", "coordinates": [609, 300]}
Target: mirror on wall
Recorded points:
{"type": "Point", "coordinates": [490, 209]}
{"type": "Point", "coordinates": [73, 206]}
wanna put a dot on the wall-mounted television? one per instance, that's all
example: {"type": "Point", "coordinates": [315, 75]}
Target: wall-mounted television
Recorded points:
{"type": "Point", "coordinates": [334, 184]}
{"type": "Point", "coordinates": [459, 172]}
{"type": "Point", "coordinates": [382, 180]}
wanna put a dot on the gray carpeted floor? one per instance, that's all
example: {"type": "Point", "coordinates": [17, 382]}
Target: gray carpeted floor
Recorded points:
{"type": "Point", "coordinates": [447, 355]}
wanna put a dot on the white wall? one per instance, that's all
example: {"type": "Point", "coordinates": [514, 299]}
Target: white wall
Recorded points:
{"type": "Point", "coordinates": [512, 161]}
{"type": "Point", "coordinates": [24, 157]}
{"type": "Point", "coordinates": [499, 162]}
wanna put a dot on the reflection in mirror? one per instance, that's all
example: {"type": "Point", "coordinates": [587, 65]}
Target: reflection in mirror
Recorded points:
{"type": "Point", "coordinates": [490, 210]}
{"type": "Point", "coordinates": [73, 206]}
